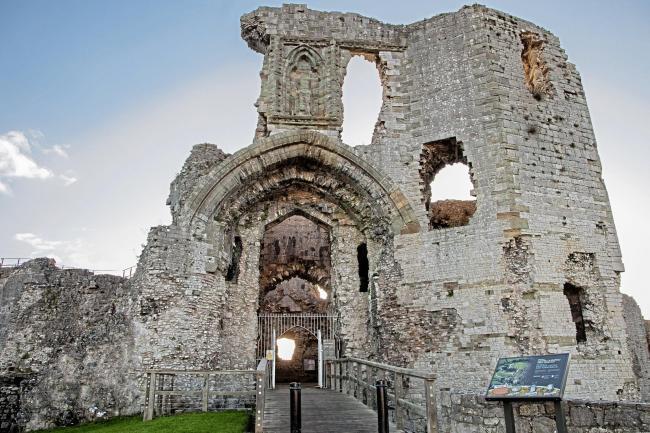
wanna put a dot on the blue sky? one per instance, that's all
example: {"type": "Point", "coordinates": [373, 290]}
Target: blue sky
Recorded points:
{"type": "Point", "coordinates": [106, 98]}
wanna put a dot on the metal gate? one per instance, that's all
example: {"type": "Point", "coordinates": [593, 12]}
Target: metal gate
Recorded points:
{"type": "Point", "coordinates": [270, 327]}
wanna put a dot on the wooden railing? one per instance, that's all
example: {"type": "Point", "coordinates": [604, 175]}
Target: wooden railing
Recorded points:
{"type": "Point", "coordinates": [179, 391]}
{"type": "Point", "coordinates": [412, 393]}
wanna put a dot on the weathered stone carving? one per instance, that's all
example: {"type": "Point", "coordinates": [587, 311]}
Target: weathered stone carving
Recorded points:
{"type": "Point", "coordinates": [253, 31]}
{"type": "Point", "coordinates": [303, 87]}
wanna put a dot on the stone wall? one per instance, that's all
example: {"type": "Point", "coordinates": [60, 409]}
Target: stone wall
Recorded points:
{"type": "Point", "coordinates": [11, 389]}
{"type": "Point", "coordinates": [67, 346]}
{"type": "Point", "coordinates": [466, 413]}
{"type": "Point", "coordinates": [639, 344]}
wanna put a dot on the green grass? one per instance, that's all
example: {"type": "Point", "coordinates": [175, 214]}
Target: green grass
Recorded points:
{"type": "Point", "coordinates": [220, 422]}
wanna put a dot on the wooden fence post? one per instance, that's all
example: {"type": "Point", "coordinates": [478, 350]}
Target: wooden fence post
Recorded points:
{"type": "Point", "coordinates": [259, 401]}
{"type": "Point", "coordinates": [205, 393]}
{"type": "Point", "coordinates": [149, 412]}
{"type": "Point", "coordinates": [432, 406]}
{"type": "Point", "coordinates": [399, 394]}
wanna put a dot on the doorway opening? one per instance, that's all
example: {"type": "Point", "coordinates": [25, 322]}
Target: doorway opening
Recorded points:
{"type": "Point", "coordinates": [297, 357]}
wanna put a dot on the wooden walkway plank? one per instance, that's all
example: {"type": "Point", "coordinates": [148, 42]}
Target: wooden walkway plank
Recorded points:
{"type": "Point", "coordinates": [323, 411]}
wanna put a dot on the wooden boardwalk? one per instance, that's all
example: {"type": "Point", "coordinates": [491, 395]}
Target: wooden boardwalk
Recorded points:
{"type": "Point", "coordinates": [323, 411]}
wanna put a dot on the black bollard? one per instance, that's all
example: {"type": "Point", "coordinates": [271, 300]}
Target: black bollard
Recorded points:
{"type": "Point", "coordinates": [382, 406]}
{"type": "Point", "coordinates": [294, 407]}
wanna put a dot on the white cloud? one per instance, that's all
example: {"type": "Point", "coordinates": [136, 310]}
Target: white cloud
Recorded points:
{"type": "Point", "coordinates": [58, 149]}
{"type": "Point", "coordinates": [68, 180]}
{"type": "Point", "coordinates": [67, 253]}
{"type": "Point", "coordinates": [16, 160]}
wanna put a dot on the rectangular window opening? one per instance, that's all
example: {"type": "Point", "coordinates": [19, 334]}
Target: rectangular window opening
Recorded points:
{"type": "Point", "coordinates": [364, 267]}
{"type": "Point", "coordinates": [575, 296]}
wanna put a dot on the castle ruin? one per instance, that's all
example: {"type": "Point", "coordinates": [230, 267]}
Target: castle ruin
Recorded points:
{"type": "Point", "coordinates": [300, 223]}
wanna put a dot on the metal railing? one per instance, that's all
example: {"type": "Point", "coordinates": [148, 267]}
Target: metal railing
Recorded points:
{"type": "Point", "coordinates": [412, 393]}
{"type": "Point", "coordinates": [179, 391]}
{"type": "Point", "coordinates": [14, 262]}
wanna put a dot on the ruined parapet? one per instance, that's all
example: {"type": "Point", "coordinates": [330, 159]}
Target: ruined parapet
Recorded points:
{"type": "Point", "coordinates": [203, 158]}
{"type": "Point", "coordinates": [305, 56]}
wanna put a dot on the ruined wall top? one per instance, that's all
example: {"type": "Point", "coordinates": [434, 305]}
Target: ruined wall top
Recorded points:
{"type": "Point", "coordinates": [295, 22]}
{"type": "Point", "coordinates": [306, 53]}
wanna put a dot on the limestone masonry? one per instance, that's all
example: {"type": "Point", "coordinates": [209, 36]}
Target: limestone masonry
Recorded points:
{"type": "Point", "coordinates": [299, 222]}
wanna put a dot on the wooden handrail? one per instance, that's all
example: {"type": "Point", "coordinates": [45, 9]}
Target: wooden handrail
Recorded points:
{"type": "Point", "coordinates": [200, 372]}
{"type": "Point", "coordinates": [349, 378]}
{"type": "Point", "coordinates": [406, 371]}
{"type": "Point", "coordinates": [203, 392]}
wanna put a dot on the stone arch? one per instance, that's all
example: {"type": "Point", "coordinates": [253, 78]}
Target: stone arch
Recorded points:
{"type": "Point", "coordinates": [300, 211]}
{"type": "Point", "coordinates": [285, 331]}
{"type": "Point", "coordinates": [255, 163]}
{"type": "Point", "coordinates": [304, 51]}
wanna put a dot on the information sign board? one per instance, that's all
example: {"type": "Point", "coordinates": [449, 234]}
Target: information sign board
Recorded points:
{"type": "Point", "coordinates": [540, 377]}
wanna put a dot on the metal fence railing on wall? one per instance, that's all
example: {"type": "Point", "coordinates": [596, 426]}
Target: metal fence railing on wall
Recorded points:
{"type": "Point", "coordinates": [14, 262]}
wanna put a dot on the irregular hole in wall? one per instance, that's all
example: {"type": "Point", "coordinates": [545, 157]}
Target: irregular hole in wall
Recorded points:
{"type": "Point", "coordinates": [362, 99]}
{"type": "Point", "coordinates": [535, 69]}
{"type": "Point", "coordinates": [233, 269]}
{"type": "Point", "coordinates": [295, 295]}
{"type": "Point", "coordinates": [575, 296]}
{"type": "Point", "coordinates": [444, 170]}
{"type": "Point", "coordinates": [364, 267]}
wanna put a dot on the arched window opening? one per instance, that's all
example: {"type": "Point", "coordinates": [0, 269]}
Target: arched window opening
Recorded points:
{"type": "Point", "coordinates": [575, 296]}
{"type": "Point", "coordinates": [235, 256]}
{"type": "Point", "coordinates": [447, 187]}
{"type": "Point", "coordinates": [362, 101]}
{"type": "Point", "coordinates": [364, 268]}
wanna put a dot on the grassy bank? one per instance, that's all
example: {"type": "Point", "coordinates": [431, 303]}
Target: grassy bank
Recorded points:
{"type": "Point", "coordinates": [221, 422]}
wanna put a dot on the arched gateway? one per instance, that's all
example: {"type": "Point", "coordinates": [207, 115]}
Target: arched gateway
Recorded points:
{"type": "Point", "coordinates": [283, 205]}
{"type": "Point", "coordinates": [275, 232]}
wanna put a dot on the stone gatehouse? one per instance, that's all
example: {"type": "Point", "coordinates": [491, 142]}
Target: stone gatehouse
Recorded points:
{"type": "Point", "coordinates": [300, 222]}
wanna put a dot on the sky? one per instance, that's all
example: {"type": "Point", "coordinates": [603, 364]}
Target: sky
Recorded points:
{"type": "Point", "coordinates": [101, 102]}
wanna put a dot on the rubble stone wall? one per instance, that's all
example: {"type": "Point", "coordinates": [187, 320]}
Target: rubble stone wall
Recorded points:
{"type": "Point", "coordinates": [67, 346]}
{"type": "Point", "coordinates": [466, 413]}
{"type": "Point", "coordinates": [639, 344]}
